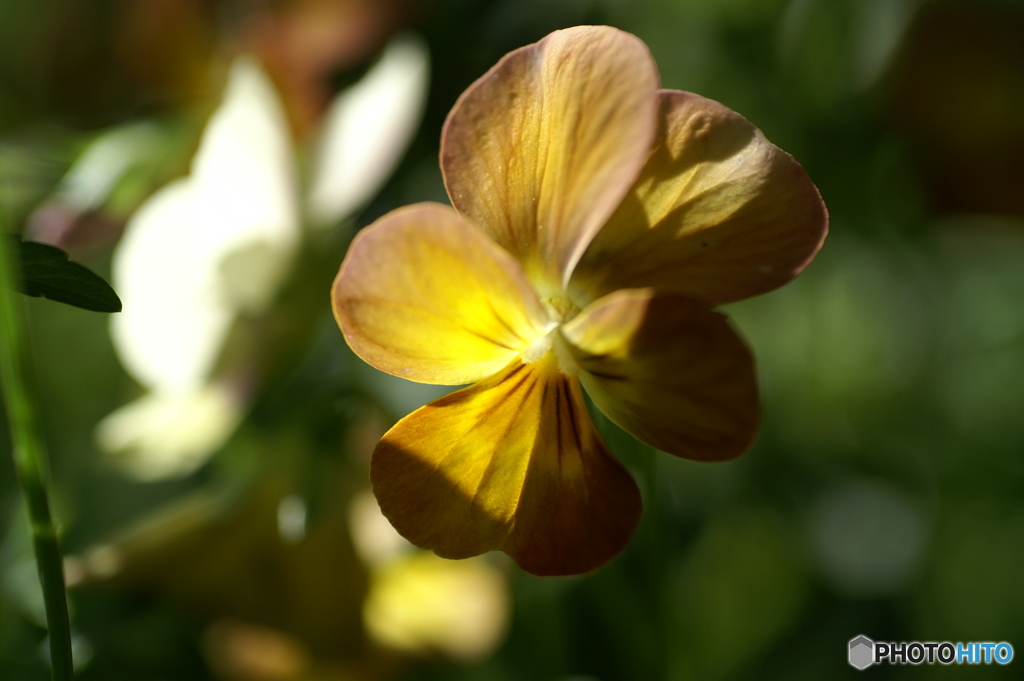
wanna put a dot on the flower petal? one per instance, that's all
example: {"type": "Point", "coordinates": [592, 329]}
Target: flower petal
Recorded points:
{"type": "Point", "coordinates": [425, 295]}
{"type": "Point", "coordinates": [718, 213]}
{"type": "Point", "coordinates": [669, 371]}
{"type": "Point", "coordinates": [542, 148]}
{"type": "Point", "coordinates": [512, 463]}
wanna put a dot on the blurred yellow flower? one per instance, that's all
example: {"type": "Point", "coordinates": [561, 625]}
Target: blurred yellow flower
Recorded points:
{"type": "Point", "coordinates": [425, 604]}
{"type": "Point", "coordinates": [418, 603]}
{"type": "Point", "coordinates": [597, 221]}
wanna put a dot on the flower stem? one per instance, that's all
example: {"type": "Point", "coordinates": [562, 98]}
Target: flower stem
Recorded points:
{"type": "Point", "coordinates": [30, 460]}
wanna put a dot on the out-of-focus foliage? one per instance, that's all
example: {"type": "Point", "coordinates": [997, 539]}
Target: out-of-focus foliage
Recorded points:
{"type": "Point", "coordinates": [46, 272]}
{"type": "Point", "coordinates": [883, 496]}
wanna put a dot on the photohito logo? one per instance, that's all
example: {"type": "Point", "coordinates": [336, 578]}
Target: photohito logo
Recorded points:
{"type": "Point", "coordinates": [864, 652]}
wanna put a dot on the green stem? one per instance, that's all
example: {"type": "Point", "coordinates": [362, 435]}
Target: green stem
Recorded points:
{"type": "Point", "coordinates": [30, 462]}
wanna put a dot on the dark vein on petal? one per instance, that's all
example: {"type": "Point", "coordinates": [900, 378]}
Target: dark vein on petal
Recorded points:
{"type": "Point", "coordinates": [501, 320]}
{"type": "Point", "coordinates": [494, 464]}
{"type": "Point", "coordinates": [558, 424]}
{"type": "Point", "coordinates": [573, 416]}
{"type": "Point", "coordinates": [512, 389]}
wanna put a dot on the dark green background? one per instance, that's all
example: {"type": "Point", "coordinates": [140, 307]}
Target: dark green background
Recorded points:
{"type": "Point", "coordinates": [885, 493]}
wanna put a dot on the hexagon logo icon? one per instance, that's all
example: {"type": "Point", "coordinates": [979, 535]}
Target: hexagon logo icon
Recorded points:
{"type": "Point", "coordinates": [862, 652]}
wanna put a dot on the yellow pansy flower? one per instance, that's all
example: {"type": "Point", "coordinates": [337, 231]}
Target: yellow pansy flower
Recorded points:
{"type": "Point", "coordinates": [597, 222]}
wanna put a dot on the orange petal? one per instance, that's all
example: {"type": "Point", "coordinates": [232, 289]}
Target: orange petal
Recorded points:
{"type": "Point", "coordinates": [542, 148]}
{"type": "Point", "coordinates": [425, 295]}
{"type": "Point", "coordinates": [669, 371]}
{"type": "Point", "coordinates": [512, 463]}
{"type": "Point", "coordinates": [718, 213]}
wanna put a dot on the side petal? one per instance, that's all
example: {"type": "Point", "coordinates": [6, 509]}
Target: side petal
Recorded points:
{"type": "Point", "coordinates": [719, 213]}
{"type": "Point", "coordinates": [669, 371]}
{"type": "Point", "coordinates": [425, 295]}
{"type": "Point", "coordinates": [512, 463]}
{"type": "Point", "coordinates": [542, 148]}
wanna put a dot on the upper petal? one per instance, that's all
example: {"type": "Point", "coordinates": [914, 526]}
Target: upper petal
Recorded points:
{"type": "Point", "coordinates": [542, 148]}
{"type": "Point", "coordinates": [425, 295]}
{"type": "Point", "coordinates": [718, 213]}
{"type": "Point", "coordinates": [669, 371]}
{"type": "Point", "coordinates": [512, 463]}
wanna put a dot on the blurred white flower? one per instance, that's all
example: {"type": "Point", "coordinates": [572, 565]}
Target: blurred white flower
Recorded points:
{"type": "Point", "coordinates": [367, 129]}
{"type": "Point", "coordinates": [220, 242]}
{"type": "Point", "coordinates": [240, 197]}
{"type": "Point", "coordinates": [95, 173]}
{"type": "Point", "coordinates": [153, 425]}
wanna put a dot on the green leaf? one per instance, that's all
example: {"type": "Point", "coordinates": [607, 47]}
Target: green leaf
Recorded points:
{"type": "Point", "coordinates": [47, 272]}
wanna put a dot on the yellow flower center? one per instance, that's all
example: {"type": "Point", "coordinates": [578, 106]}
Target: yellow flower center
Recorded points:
{"type": "Point", "coordinates": [552, 348]}
{"type": "Point", "coordinates": [560, 309]}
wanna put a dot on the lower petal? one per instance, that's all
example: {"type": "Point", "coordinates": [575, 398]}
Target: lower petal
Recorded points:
{"type": "Point", "coordinates": [512, 463]}
{"type": "Point", "coordinates": [669, 371]}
